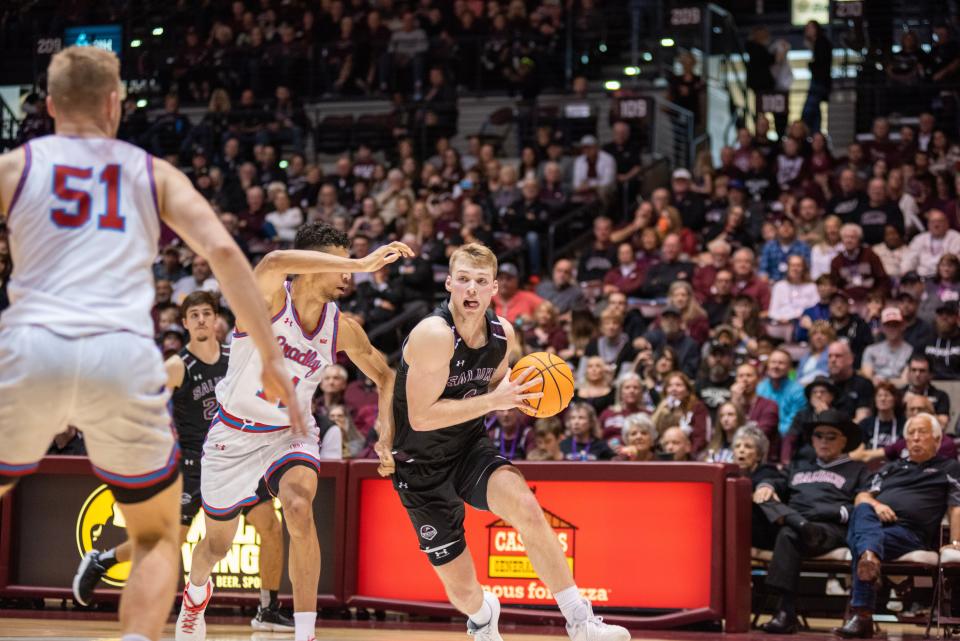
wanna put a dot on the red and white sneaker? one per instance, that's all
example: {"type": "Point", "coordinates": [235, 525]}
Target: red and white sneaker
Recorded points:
{"type": "Point", "coordinates": [190, 623]}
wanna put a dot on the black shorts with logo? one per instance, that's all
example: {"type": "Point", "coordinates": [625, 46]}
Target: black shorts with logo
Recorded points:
{"type": "Point", "coordinates": [190, 500]}
{"type": "Point", "coordinates": [434, 496]}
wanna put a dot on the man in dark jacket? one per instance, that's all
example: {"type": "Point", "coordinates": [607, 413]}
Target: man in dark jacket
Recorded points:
{"type": "Point", "coordinates": [807, 511]}
{"type": "Point", "coordinates": [899, 512]}
{"type": "Point", "coordinates": [944, 350]}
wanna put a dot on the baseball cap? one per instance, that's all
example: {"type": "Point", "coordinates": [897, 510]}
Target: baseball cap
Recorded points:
{"type": "Point", "coordinates": [841, 295]}
{"type": "Point", "coordinates": [891, 315]}
{"type": "Point", "coordinates": [588, 141]}
{"type": "Point", "coordinates": [682, 174]}
{"type": "Point", "coordinates": [736, 184]}
{"type": "Point", "coordinates": [670, 309]}
{"type": "Point", "coordinates": [910, 278]}
{"type": "Point", "coordinates": [905, 295]}
{"type": "Point", "coordinates": [509, 269]}
{"type": "Point", "coordinates": [949, 307]}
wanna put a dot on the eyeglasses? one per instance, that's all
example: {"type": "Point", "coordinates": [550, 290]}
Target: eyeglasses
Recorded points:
{"type": "Point", "coordinates": [826, 436]}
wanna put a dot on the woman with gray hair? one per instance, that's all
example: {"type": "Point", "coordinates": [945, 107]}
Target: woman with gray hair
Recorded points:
{"type": "Point", "coordinates": [639, 438]}
{"type": "Point", "coordinates": [750, 449]}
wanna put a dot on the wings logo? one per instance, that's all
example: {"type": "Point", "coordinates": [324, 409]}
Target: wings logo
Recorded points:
{"type": "Point", "coordinates": [507, 557]}
{"type": "Point", "coordinates": [101, 526]}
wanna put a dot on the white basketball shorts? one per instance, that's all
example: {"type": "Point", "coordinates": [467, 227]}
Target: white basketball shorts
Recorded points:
{"type": "Point", "coordinates": [109, 386]}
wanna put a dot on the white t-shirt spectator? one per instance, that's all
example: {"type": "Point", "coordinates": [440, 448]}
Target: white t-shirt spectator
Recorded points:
{"type": "Point", "coordinates": [821, 255]}
{"type": "Point", "coordinates": [892, 259]}
{"type": "Point", "coordinates": [286, 223]}
{"type": "Point", "coordinates": [788, 300]}
{"type": "Point", "coordinates": [187, 285]}
{"type": "Point", "coordinates": [606, 172]}
{"type": "Point", "coordinates": [926, 251]}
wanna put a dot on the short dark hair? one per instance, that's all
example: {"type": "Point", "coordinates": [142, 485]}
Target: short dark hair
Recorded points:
{"type": "Point", "coordinates": [197, 298]}
{"type": "Point", "coordinates": [920, 356]}
{"type": "Point", "coordinates": [317, 234]}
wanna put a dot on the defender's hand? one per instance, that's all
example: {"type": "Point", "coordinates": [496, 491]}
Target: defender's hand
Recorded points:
{"type": "Point", "coordinates": [386, 255]}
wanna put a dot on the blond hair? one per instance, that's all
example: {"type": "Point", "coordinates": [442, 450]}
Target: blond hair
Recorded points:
{"type": "Point", "coordinates": [476, 254]}
{"type": "Point", "coordinates": [80, 78]}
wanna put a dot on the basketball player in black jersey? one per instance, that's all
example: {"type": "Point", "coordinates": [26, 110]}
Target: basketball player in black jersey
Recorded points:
{"type": "Point", "coordinates": [192, 376]}
{"type": "Point", "coordinates": [452, 373]}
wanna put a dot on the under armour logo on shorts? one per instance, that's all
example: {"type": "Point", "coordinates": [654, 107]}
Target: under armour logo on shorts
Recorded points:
{"type": "Point", "coordinates": [441, 553]}
{"type": "Point", "coordinates": [403, 486]}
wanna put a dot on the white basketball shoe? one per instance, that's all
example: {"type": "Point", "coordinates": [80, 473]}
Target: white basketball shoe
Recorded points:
{"type": "Point", "coordinates": [594, 629]}
{"type": "Point", "coordinates": [488, 632]}
{"type": "Point", "coordinates": [190, 623]}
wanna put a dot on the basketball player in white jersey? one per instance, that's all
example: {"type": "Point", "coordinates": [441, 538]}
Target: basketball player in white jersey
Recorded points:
{"type": "Point", "coordinates": [249, 441]}
{"type": "Point", "coordinates": [76, 345]}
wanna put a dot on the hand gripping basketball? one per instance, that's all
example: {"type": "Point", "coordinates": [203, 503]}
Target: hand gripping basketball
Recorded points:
{"type": "Point", "coordinates": [553, 379]}
{"type": "Point", "coordinates": [513, 393]}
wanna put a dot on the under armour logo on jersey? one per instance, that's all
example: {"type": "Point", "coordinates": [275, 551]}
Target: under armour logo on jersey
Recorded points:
{"type": "Point", "coordinates": [402, 486]}
{"type": "Point", "coordinates": [288, 322]}
{"type": "Point", "coordinates": [460, 363]}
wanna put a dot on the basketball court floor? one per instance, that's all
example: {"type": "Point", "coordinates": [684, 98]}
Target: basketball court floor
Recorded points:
{"type": "Point", "coordinates": [85, 630]}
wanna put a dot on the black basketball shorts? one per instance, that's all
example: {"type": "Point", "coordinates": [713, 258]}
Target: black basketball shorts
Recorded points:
{"type": "Point", "coordinates": [433, 496]}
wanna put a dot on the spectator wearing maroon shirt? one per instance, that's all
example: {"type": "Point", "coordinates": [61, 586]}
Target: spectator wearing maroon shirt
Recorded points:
{"type": "Point", "coordinates": [511, 434]}
{"type": "Point", "coordinates": [882, 147]}
{"type": "Point", "coordinates": [856, 268]}
{"type": "Point", "coordinates": [746, 282]}
{"type": "Point", "coordinates": [758, 409]}
{"type": "Point", "coordinates": [547, 335]}
{"type": "Point", "coordinates": [627, 276]}
{"type": "Point", "coordinates": [628, 399]}
{"type": "Point", "coordinates": [705, 275]}
{"type": "Point", "coordinates": [791, 168]}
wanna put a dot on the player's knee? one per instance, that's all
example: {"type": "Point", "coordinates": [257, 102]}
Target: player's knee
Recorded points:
{"type": "Point", "coordinates": [526, 511]}
{"type": "Point", "coordinates": [298, 513]}
{"type": "Point", "coordinates": [219, 545]}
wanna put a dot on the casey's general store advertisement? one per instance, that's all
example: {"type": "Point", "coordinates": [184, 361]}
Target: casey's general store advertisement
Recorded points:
{"type": "Point", "coordinates": [621, 539]}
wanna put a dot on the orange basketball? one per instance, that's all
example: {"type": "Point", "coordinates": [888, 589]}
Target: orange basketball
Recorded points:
{"type": "Point", "coordinates": [557, 384]}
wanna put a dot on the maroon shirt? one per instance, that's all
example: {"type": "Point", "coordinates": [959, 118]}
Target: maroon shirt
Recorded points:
{"type": "Point", "coordinates": [755, 288]}
{"type": "Point", "coordinates": [861, 274]}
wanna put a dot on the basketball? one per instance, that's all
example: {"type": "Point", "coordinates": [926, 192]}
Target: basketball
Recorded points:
{"type": "Point", "coordinates": [557, 384]}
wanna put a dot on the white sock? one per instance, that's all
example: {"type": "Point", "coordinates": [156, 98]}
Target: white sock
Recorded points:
{"type": "Point", "coordinates": [573, 606]}
{"type": "Point", "coordinates": [264, 598]}
{"type": "Point", "coordinates": [197, 593]}
{"type": "Point", "coordinates": [305, 625]}
{"type": "Point", "coordinates": [482, 616]}
{"type": "Point", "coordinates": [134, 637]}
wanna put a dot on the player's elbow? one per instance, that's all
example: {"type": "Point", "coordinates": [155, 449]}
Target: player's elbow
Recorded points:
{"type": "Point", "coordinates": [220, 253]}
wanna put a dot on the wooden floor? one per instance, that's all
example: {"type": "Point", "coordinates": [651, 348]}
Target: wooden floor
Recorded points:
{"type": "Point", "coordinates": [83, 630]}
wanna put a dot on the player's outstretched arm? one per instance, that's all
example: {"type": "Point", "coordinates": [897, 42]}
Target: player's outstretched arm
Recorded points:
{"type": "Point", "coordinates": [428, 352]}
{"type": "Point", "coordinates": [354, 341]}
{"type": "Point", "coordinates": [191, 217]}
{"type": "Point", "coordinates": [272, 271]}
